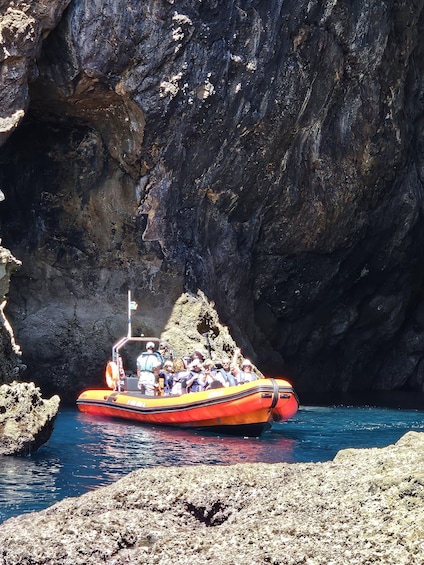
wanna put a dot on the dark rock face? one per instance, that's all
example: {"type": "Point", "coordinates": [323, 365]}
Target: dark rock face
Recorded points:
{"type": "Point", "coordinates": [266, 154]}
{"type": "Point", "coordinates": [366, 506]}
{"type": "Point", "coordinates": [26, 419]}
{"type": "Point", "coordinates": [23, 26]}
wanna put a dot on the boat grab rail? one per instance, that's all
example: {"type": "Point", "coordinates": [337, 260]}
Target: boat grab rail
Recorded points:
{"type": "Point", "coordinates": [124, 340]}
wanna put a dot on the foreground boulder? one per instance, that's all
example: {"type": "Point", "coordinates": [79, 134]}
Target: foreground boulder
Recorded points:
{"type": "Point", "coordinates": [366, 506]}
{"type": "Point", "coordinates": [26, 419]}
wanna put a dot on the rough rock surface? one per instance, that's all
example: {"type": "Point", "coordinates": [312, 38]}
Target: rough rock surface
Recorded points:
{"type": "Point", "coordinates": [10, 354]}
{"type": "Point", "coordinates": [367, 506]}
{"type": "Point", "coordinates": [194, 321]}
{"type": "Point", "coordinates": [23, 25]}
{"type": "Point", "coordinates": [26, 419]}
{"type": "Point", "coordinates": [266, 153]}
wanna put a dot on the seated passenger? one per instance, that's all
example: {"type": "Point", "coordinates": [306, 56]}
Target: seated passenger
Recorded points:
{"type": "Point", "coordinates": [225, 371]}
{"type": "Point", "coordinates": [235, 371]}
{"type": "Point", "coordinates": [167, 374]}
{"type": "Point", "coordinates": [196, 379]}
{"type": "Point", "coordinates": [186, 361]}
{"type": "Point", "coordinates": [246, 373]}
{"type": "Point", "coordinates": [213, 378]}
{"type": "Point", "coordinates": [179, 377]}
{"type": "Point", "coordinates": [165, 351]}
{"type": "Point", "coordinates": [198, 354]}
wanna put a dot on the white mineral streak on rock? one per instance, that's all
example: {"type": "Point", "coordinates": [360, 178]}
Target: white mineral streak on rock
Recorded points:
{"type": "Point", "coordinates": [181, 19]}
{"type": "Point", "coordinates": [170, 87]}
{"type": "Point", "coordinates": [10, 363]}
{"type": "Point", "coordinates": [11, 122]}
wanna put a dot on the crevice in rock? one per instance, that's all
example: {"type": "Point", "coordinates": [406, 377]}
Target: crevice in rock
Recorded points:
{"type": "Point", "coordinates": [212, 515]}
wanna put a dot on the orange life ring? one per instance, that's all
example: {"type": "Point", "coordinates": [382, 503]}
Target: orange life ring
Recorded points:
{"type": "Point", "coordinates": [112, 374]}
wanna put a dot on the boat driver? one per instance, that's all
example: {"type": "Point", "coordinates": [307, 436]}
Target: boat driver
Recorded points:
{"type": "Point", "coordinates": [148, 366]}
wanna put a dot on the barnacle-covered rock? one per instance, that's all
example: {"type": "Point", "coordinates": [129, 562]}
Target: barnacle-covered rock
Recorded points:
{"type": "Point", "coordinates": [26, 419]}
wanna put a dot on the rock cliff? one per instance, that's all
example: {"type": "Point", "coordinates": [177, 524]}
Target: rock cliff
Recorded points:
{"type": "Point", "coordinates": [265, 154]}
{"type": "Point", "coordinates": [366, 506]}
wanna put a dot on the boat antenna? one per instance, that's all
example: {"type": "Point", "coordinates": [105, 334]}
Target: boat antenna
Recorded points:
{"type": "Point", "coordinates": [132, 305]}
{"type": "Point", "coordinates": [208, 344]}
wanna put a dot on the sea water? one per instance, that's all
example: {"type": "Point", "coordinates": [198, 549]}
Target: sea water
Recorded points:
{"type": "Point", "coordinates": [86, 452]}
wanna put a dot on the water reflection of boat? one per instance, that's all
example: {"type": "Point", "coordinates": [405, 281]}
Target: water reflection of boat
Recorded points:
{"type": "Point", "coordinates": [118, 447]}
{"type": "Point", "coordinates": [248, 409]}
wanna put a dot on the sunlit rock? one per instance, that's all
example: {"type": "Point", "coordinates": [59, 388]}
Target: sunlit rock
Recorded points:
{"type": "Point", "coordinates": [10, 359]}
{"type": "Point", "coordinates": [26, 419]}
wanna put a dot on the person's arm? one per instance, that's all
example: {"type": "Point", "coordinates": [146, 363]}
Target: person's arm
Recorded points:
{"type": "Point", "coordinates": [191, 379]}
{"type": "Point", "coordinates": [236, 354]}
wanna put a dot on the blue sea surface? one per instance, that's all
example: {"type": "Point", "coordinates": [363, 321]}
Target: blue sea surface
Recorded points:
{"type": "Point", "coordinates": [85, 452]}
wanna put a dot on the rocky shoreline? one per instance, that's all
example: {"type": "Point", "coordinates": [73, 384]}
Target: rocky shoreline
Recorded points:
{"type": "Point", "coordinates": [365, 506]}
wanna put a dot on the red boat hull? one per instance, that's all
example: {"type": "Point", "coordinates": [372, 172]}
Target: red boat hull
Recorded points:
{"type": "Point", "coordinates": [247, 409]}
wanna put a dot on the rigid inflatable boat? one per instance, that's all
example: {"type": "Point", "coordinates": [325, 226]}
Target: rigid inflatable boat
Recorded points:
{"type": "Point", "coordinates": [247, 409]}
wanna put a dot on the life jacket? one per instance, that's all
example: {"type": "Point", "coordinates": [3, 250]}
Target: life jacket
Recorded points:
{"type": "Point", "coordinates": [228, 377]}
{"type": "Point", "coordinates": [246, 376]}
{"type": "Point", "coordinates": [160, 357]}
{"type": "Point", "coordinates": [195, 386]}
{"type": "Point", "coordinates": [148, 361]}
{"type": "Point", "coordinates": [168, 381]}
